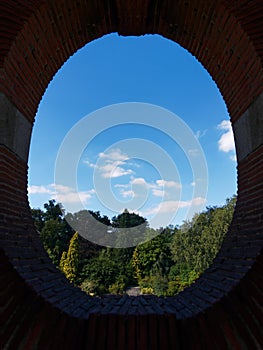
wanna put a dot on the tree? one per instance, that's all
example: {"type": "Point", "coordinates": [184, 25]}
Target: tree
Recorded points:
{"type": "Point", "coordinates": [62, 261]}
{"type": "Point", "coordinates": [54, 230]}
{"type": "Point", "coordinates": [90, 225]}
{"type": "Point", "coordinates": [38, 217]}
{"type": "Point", "coordinates": [55, 236]}
{"type": "Point", "coordinates": [102, 270]}
{"type": "Point", "coordinates": [127, 219]}
{"type": "Point", "coordinates": [197, 242]}
{"type": "Point", "coordinates": [152, 257]}
{"type": "Point", "coordinates": [129, 229]}
{"type": "Point", "coordinates": [70, 259]}
{"type": "Point", "coordinates": [53, 210]}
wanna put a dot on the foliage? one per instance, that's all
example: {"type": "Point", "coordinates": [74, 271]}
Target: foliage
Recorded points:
{"type": "Point", "coordinates": [117, 287]}
{"type": "Point", "coordinates": [53, 211]}
{"type": "Point", "coordinates": [147, 290]}
{"type": "Point", "coordinates": [128, 228]}
{"type": "Point", "coordinates": [90, 287]}
{"type": "Point", "coordinates": [157, 283]}
{"type": "Point", "coordinates": [168, 261]}
{"type": "Point", "coordinates": [63, 261]}
{"type": "Point", "coordinates": [126, 220]}
{"type": "Point", "coordinates": [101, 269]}
{"type": "Point", "coordinates": [55, 236]}
{"type": "Point", "coordinates": [152, 257]}
{"type": "Point", "coordinates": [91, 225]}
{"type": "Point", "coordinates": [70, 260]}
{"type": "Point", "coordinates": [196, 246]}
{"type": "Point", "coordinates": [39, 219]}
{"type": "Point", "coordinates": [53, 229]}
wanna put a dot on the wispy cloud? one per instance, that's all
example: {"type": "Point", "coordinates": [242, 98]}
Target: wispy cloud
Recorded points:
{"type": "Point", "coordinates": [133, 188]}
{"type": "Point", "coordinates": [226, 142]}
{"type": "Point", "coordinates": [233, 157]}
{"type": "Point", "coordinates": [61, 193]}
{"type": "Point", "coordinates": [160, 188]}
{"type": "Point", "coordinates": [112, 164]}
{"type": "Point", "coordinates": [169, 184]}
{"type": "Point", "coordinates": [128, 193]}
{"type": "Point", "coordinates": [122, 185]}
{"type": "Point", "coordinates": [164, 188]}
{"type": "Point", "coordinates": [200, 133]}
{"type": "Point", "coordinates": [157, 192]}
{"type": "Point", "coordinates": [34, 189]}
{"type": "Point", "coordinates": [172, 206]}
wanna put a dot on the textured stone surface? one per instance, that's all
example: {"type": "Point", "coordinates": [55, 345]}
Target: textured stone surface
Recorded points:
{"type": "Point", "coordinates": [248, 129]}
{"type": "Point", "coordinates": [15, 129]}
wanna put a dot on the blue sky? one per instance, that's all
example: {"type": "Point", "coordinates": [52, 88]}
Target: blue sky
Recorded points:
{"type": "Point", "coordinates": [132, 165]}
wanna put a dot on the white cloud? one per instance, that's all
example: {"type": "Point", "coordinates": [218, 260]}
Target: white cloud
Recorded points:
{"type": "Point", "coordinates": [160, 188]}
{"type": "Point", "coordinates": [111, 164]}
{"type": "Point", "coordinates": [226, 142]}
{"type": "Point", "coordinates": [165, 188]}
{"type": "Point", "coordinates": [65, 194]}
{"type": "Point", "coordinates": [61, 193]}
{"type": "Point", "coordinates": [169, 184]}
{"type": "Point", "coordinates": [127, 193]}
{"type": "Point", "coordinates": [172, 206]}
{"type": "Point", "coordinates": [197, 201]}
{"type": "Point", "coordinates": [91, 165]}
{"type": "Point", "coordinates": [114, 154]}
{"type": "Point", "coordinates": [113, 169]}
{"type": "Point", "coordinates": [233, 157]}
{"type": "Point", "coordinates": [136, 184]}
{"type": "Point", "coordinates": [163, 207]}
{"type": "Point", "coordinates": [39, 189]}
{"type": "Point", "coordinates": [122, 185]}
{"type": "Point", "coordinates": [139, 181]}
{"type": "Point", "coordinates": [157, 193]}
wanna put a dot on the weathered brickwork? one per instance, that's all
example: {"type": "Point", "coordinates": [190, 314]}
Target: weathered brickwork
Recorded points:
{"type": "Point", "coordinates": [39, 309]}
{"type": "Point", "coordinates": [207, 29]}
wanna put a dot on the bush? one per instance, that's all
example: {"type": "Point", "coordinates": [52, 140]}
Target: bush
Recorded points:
{"type": "Point", "coordinates": [147, 290]}
{"type": "Point", "coordinates": [160, 285]}
{"type": "Point", "coordinates": [90, 287]}
{"type": "Point", "coordinates": [174, 287]}
{"type": "Point", "coordinates": [117, 288]}
{"type": "Point", "coordinates": [156, 283]}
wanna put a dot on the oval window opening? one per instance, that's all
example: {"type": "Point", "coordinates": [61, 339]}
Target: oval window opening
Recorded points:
{"type": "Point", "coordinates": [132, 175]}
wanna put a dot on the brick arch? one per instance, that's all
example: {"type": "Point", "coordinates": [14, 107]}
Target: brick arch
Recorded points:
{"type": "Point", "coordinates": [39, 308]}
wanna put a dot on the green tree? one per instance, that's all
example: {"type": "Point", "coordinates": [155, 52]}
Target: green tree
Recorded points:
{"type": "Point", "coordinates": [55, 236]}
{"type": "Point", "coordinates": [113, 268]}
{"type": "Point", "coordinates": [129, 229]}
{"type": "Point", "coordinates": [54, 230]}
{"type": "Point", "coordinates": [153, 257]}
{"type": "Point", "coordinates": [198, 241]}
{"type": "Point", "coordinates": [38, 217]}
{"type": "Point", "coordinates": [53, 210]}
{"type": "Point", "coordinates": [62, 261]}
{"type": "Point", "coordinates": [127, 219]}
{"type": "Point", "coordinates": [70, 260]}
{"type": "Point", "coordinates": [91, 225]}
{"type": "Point", "coordinates": [101, 269]}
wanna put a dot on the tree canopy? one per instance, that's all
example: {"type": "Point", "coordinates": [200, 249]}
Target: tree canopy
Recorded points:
{"type": "Point", "coordinates": [164, 265]}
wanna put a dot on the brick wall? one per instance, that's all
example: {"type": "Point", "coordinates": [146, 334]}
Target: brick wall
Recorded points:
{"type": "Point", "coordinates": [39, 308]}
{"type": "Point", "coordinates": [57, 29]}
